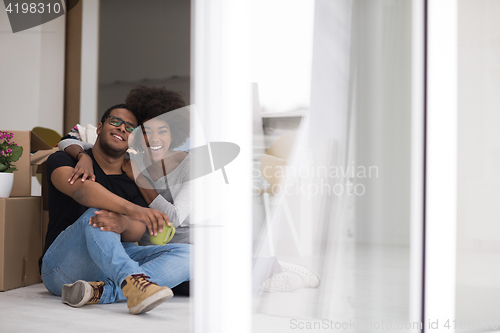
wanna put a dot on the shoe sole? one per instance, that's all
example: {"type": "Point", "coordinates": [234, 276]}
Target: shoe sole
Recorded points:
{"type": "Point", "coordinates": [152, 301]}
{"type": "Point", "coordinates": [283, 288]}
{"type": "Point", "coordinates": [305, 275]}
{"type": "Point", "coordinates": [280, 290]}
{"type": "Point", "coordinates": [76, 294]}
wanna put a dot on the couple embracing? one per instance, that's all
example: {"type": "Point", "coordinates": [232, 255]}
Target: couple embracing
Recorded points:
{"type": "Point", "coordinates": [91, 253]}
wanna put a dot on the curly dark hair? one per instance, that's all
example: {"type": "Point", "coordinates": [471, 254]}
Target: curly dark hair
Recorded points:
{"type": "Point", "coordinates": [117, 106]}
{"type": "Point", "coordinates": [149, 102]}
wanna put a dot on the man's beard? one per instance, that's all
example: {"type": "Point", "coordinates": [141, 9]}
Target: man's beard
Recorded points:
{"type": "Point", "coordinates": [110, 151]}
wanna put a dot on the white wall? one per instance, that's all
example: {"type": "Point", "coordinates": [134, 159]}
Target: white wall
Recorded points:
{"type": "Point", "coordinates": [479, 120]}
{"type": "Point", "coordinates": [32, 75]}
{"type": "Point", "coordinates": [478, 231]}
{"type": "Point", "coordinates": [478, 195]}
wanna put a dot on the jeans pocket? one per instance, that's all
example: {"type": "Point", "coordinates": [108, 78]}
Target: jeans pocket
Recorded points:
{"type": "Point", "coordinates": [54, 280]}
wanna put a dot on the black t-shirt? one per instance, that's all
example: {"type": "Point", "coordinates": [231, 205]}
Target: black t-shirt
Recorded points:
{"type": "Point", "coordinates": [64, 210]}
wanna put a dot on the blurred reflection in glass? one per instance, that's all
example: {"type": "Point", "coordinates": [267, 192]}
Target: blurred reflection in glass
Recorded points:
{"type": "Point", "coordinates": [332, 191]}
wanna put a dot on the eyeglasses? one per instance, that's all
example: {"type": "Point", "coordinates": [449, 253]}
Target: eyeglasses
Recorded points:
{"type": "Point", "coordinates": [117, 122]}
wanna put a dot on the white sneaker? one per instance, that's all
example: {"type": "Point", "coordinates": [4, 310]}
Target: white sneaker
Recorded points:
{"type": "Point", "coordinates": [311, 279]}
{"type": "Point", "coordinates": [283, 282]}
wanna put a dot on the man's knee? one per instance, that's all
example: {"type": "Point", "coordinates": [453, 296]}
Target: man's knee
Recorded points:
{"type": "Point", "coordinates": [85, 217]}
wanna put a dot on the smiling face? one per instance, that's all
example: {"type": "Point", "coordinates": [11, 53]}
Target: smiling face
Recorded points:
{"type": "Point", "coordinates": [112, 139]}
{"type": "Point", "coordinates": [158, 138]}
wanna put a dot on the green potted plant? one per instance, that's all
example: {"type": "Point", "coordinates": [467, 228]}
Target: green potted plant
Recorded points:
{"type": "Point", "coordinates": [9, 152]}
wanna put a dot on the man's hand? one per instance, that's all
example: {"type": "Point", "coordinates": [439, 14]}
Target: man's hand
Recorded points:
{"type": "Point", "coordinates": [109, 221]}
{"type": "Point", "coordinates": [151, 217]}
{"type": "Point", "coordinates": [83, 168]}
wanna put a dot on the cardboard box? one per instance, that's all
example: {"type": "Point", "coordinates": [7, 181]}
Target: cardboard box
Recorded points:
{"type": "Point", "coordinates": [28, 164]}
{"type": "Point", "coordinates": [20, 241]}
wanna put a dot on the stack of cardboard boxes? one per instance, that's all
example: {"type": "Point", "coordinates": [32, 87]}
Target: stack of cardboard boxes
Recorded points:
{"type": "Point", "coordinates": [24, 218]}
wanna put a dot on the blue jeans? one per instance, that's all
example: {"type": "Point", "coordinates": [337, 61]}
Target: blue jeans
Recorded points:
{"type": "Point", "coordinates": [82, 252]}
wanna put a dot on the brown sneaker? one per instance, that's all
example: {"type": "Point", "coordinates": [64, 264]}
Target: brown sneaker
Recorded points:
{"type": "Point", "coordinates": [82, 292]}
{"type": "Point", "coordinates": [142, 294]}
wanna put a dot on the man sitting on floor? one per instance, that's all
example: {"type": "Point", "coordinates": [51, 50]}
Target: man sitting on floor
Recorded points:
{"type": "Point", "coordinates": [96, 244]}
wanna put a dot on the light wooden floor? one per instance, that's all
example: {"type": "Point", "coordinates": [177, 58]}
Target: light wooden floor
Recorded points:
{"type": "Point", "coordinates": [34, 309]}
